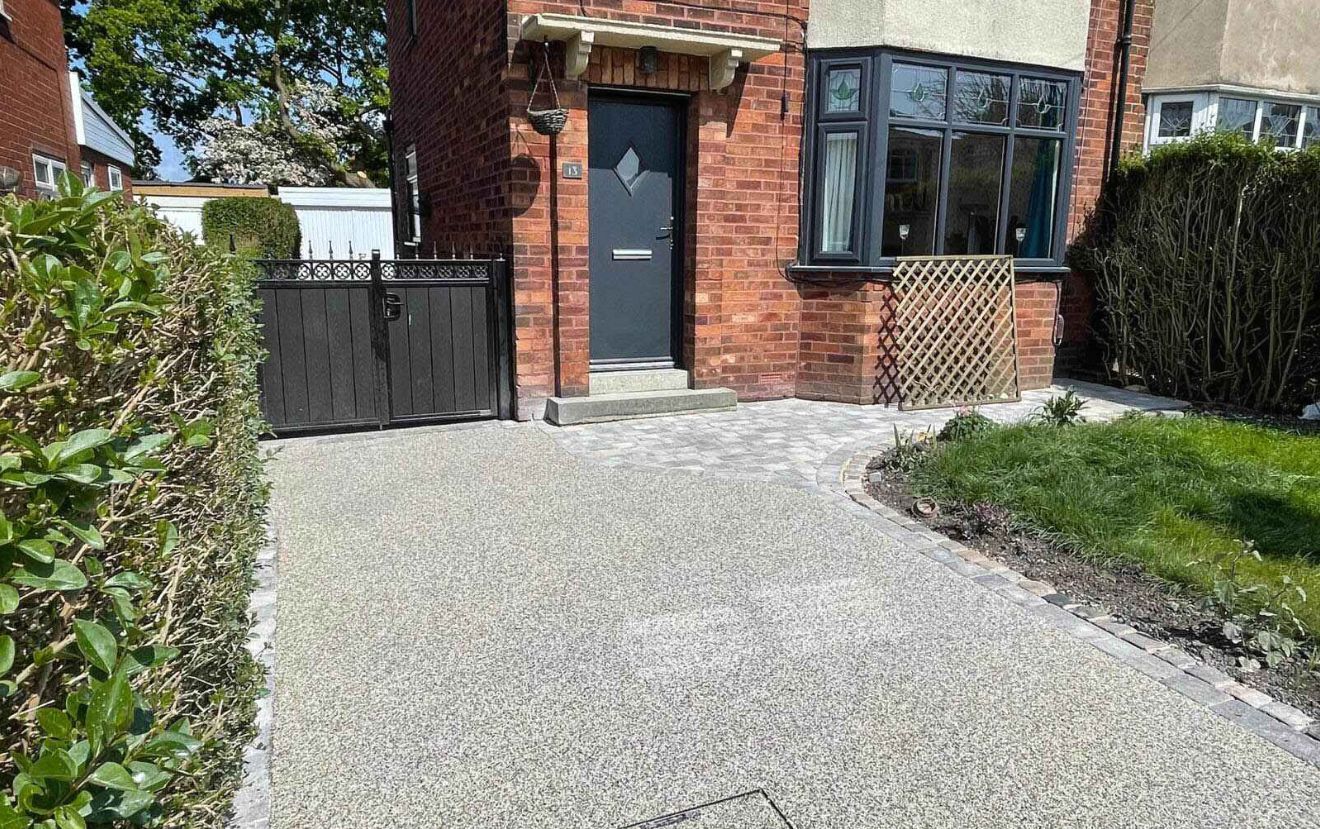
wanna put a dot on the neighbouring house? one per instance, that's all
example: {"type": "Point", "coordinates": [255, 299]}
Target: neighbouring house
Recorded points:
{"type": "Point", "coordinates": [1248, 66]}
{"type": "Point", "coordinates": [107, 151]}
{"type": "Point", "coordinates": [38, 142]}
{"type": "Point", "coordinates": [48, 124]}
{"type": "Point", "coordinates": [334, 222]}
{"type": "Point", "coordinates": [736, 179]}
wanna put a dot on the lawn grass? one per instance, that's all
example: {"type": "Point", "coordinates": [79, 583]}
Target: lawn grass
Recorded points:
{"type": "Point", "coordinates": [1168, 493]}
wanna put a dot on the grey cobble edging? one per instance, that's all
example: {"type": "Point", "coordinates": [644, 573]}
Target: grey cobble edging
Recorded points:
{"type": "Point", "coordinates": [252, 802]}
{"type": "Point", "coordinates": [1257, 712]}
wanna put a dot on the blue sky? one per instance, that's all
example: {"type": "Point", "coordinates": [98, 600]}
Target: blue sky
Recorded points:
{"type": "Point", "coordinates": [171, 167]}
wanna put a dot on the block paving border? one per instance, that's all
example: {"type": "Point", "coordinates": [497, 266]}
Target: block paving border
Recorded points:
{"type": "Point", "coordinates": [252, 801]}
{"type": "Point", "coordinates": [1257, 712]}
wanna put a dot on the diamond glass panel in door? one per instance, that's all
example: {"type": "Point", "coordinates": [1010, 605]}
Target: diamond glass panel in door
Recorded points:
{"type": "Point", "coordinates": [976, 170]}
{"type": "Point", "coordinates": [1237, 115]}
{"type": "Point", "coordinates": [979, 98]}
{"type": "Point", "coordinates": [1032, 197]}
{"type": "Point", "coordinates": [839, 192]}
{"type": "Point", "coordinates": [1279, 123]}
{"type": "Point", "coordinates": [912, 184]}
{"type": "Point", "coordinates": [918, 92]}
{"type": "Point", "coordinates": [843, 91]}
{"type": "Point", "coordinates": [1311, 129]}
{"type": "Point", "coordinates": [1175, 119]}
{"type": "Point", "coordinates": [1042, 104]}
{"type": "Point", "coordinates": [629, 169]}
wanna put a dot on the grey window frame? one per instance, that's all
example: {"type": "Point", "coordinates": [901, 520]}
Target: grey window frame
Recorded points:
{"type": "Point", "coordinates": [873, 124]}
{"type": "Point", "coordinates": [412, 17]}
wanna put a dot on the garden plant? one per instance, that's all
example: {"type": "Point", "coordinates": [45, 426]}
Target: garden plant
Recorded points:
{"type": "Point", "coordinates": [1205, 257]}
{"type": "Point", "coordinates": [131, 509]}
{"type": "Point", "coordinates": [1230, 510]}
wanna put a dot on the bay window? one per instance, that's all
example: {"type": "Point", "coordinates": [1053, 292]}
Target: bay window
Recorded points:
{"type": "Point", "coordinates": [1284, 124]}
{"type": "Point", "coordinates": [912, 155]}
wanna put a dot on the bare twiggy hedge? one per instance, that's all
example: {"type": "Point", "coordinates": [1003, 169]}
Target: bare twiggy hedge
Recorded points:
{"type": "Point", "coordinates": [132, 498]}
{"type": "Point", "coordinates": [1206, 260]}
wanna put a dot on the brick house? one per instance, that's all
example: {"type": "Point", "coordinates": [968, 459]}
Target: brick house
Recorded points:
{"type": "Point", "coordinates": [47, 124]}
{"type": "Point", "coordinates": [1226, 65]}
{"type": "Point", "coordinates": [37, 139]}
{"type": "Point", "coordinates": [736, 177]}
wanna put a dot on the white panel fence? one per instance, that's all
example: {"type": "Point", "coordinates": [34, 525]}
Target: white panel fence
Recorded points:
{"type": "Point", "coordinates": [336, 223]}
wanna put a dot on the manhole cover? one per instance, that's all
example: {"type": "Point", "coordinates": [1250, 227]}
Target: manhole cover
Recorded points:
{"type": "Point", "coordinates": [753, 810]}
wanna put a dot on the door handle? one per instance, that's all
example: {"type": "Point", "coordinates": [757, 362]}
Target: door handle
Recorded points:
{"type": "Point", "coordinates": [667, 232]}
{"type": "Point", "coordinates": [393, 307]}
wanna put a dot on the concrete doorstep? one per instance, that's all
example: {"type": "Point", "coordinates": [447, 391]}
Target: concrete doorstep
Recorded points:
{"type": "Point", "coordinates": [568, 411]}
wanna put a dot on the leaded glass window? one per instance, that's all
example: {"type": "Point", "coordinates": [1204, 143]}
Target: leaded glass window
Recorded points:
{"type": "Point", "coordinates": [947, 157]}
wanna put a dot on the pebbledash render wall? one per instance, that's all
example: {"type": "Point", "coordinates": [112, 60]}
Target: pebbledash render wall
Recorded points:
{"type": "Point", "coordinates": [490, 183]}
{"type": "Point", "coordinates": [35, 101]}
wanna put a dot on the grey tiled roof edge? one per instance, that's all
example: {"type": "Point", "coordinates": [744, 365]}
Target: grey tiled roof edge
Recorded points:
{"type": "Point", "coordinates": [1257, 712]}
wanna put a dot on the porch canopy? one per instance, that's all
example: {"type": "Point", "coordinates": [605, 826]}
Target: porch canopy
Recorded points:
{"type": "Point", "coordinates": [580, 34]}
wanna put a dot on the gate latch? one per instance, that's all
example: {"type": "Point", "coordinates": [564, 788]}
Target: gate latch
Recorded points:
{"type": "Point", "coordinates": [393, 307]}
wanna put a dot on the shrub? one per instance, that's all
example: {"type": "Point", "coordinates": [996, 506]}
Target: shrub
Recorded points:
{"type": "Point", "coordinates": [1205, 257]}
{"type": "Point", "coordinates": [1063, 410]}
{"type": "Point", "coordinates": [265, 228]}
{"type": "Point", "coordinates": [132, 501]}
{"type": "Point", "coordinates": [964, 424]}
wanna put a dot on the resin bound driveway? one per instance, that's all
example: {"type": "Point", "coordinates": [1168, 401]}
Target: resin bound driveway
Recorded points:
{"type": "Point", "coordinates": [487, 627]}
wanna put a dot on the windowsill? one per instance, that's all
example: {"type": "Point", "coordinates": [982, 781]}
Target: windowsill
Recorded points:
{"type": "Point", "coordinates": [885, 273]}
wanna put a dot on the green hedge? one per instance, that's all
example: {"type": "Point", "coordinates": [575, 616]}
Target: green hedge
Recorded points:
{"type": "Point", "coordinates": [133, 505]}
{"type": "Point", "coordinates": [1206, 261]}
{"type": "Point", "coordinates": [265, 228]}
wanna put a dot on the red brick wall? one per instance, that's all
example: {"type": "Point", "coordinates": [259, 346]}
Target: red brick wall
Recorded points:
{"type": "Point", "coordinates": [847, 342]}
{"type": "Point", "coordinates": [101, 165]}
{"type": "Point", "coordinates": [1095, 126]}
{"type": "Point", "coordinates": [447, 84]}
{"type": "Point", "coordinates": [740, 321]}
{"type": "Point", "coordinates": [35, 104]}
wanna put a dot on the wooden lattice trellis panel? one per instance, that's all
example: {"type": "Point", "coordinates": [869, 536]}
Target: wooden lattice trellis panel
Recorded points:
{"type": "Point", "coordinates": [957, 341]}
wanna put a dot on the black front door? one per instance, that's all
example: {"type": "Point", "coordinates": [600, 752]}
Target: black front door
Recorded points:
{"type": "Point", "coordinates": [636, 163]}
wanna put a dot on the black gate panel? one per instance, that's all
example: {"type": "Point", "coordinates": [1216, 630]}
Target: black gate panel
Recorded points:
{"type": "Point", "coordinates": [370, 343]}
{"type": "Point", "coordinates": [321, 369]}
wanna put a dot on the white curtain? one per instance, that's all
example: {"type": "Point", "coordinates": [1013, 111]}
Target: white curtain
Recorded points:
{"type": "Point", "coordinates": [840, 183]}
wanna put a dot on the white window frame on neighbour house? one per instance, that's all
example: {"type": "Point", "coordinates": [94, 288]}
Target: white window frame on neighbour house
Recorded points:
{"type": "Point", "coordinates": [115, 177]}
{"type": "Point", "coordinates": [88, 174]}
{"type": "Point", "coordinates": [1208, 106]}
{"type": "Point", "coordinates": [52, 168]}
{"type": "Point", "coordinates": [413, 195]}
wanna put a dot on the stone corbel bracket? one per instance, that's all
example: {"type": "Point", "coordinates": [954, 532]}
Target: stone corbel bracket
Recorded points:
{"type": "Point", "coordinates": [577, 51]}
{"type": "Point", "coordinates": [581, 34]}
{"type": "Point", "coordinates": [723, 67]}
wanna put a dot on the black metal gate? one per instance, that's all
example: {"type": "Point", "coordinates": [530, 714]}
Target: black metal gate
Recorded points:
{"type": "Point", "coordinates": [372, 343]}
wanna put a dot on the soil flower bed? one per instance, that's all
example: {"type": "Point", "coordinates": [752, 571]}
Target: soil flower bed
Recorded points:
{"type": "Point", "coordinates": [1197, 531]}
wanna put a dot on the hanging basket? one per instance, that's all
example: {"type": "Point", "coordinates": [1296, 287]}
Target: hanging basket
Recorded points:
{"type": "Point", "coordinates": [546, 121]}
